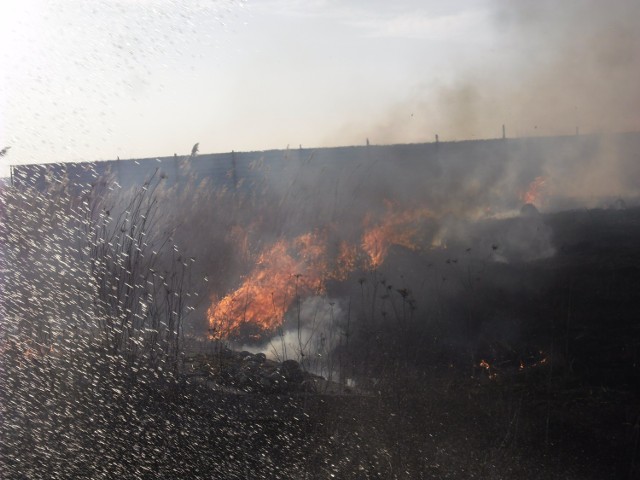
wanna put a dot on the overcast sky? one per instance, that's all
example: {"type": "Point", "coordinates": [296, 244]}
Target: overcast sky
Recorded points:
{"type": "Point", "coordinates": [84, 80]}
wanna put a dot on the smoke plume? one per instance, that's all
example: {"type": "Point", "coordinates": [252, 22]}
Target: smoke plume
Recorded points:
{"type": "Point", "coordinates": [558, 67]}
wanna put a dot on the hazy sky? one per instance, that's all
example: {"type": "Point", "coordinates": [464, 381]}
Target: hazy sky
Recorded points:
{"type": "Point", "coordinates": [84, 80]}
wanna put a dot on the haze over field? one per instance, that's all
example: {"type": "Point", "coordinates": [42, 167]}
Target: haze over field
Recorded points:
{"type": "Point", "coordinates": [401, 305]}
{"type": "Point", "coordinates": [138, 78]}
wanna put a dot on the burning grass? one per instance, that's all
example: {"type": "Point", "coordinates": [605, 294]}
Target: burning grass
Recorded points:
{"type": "Point", "coordinates": [436, 339]}
{"type": "Point", "coordinates": [289, 270]}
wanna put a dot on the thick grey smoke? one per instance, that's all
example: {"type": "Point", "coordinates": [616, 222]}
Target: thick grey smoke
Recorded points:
{"type": "Point", "coordinates": [584, 62]}
{"type": "Point", "coordinates": [560, 68]}
{"type": "Point", "coordinates": [557, 66]}
{"type": "Point", "coordinates": [311, 334]}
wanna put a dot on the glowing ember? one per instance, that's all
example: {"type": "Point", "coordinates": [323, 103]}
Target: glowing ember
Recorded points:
{"type": "Point", "coordinates": [484, 364]}
{"type": "Point", "coordinates": [542, 361]}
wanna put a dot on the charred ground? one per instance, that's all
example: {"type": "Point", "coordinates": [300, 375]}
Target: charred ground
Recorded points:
{"type": "Point", "coordinates": [538, 356]}
{"type": "Point", "coordinates": [529, 371]}
{"type": "Point", "coordinates": [481, 346]}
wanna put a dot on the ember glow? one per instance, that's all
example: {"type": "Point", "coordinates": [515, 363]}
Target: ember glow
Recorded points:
{"type": "Point", "coordinates": [485, 365]}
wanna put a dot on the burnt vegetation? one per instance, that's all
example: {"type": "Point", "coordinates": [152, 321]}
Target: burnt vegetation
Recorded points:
{"type": "Point", "coordinates": [431, 344]}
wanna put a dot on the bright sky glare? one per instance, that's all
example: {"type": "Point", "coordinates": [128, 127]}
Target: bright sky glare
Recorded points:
{"type": "Point", "coordinates": [138, 78]}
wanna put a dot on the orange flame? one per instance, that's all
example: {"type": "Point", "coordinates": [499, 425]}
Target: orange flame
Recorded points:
{"type": "Point", "coordinates": [292, 269]}
{"type": "Point", "coordinates": [347, 260]}
{"type": "Point", "coordinates": [394, 229]}
{"type": "Point", "coordinates": [286, 269]}
{"type": "Point", "coordinates": [535, 191]}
